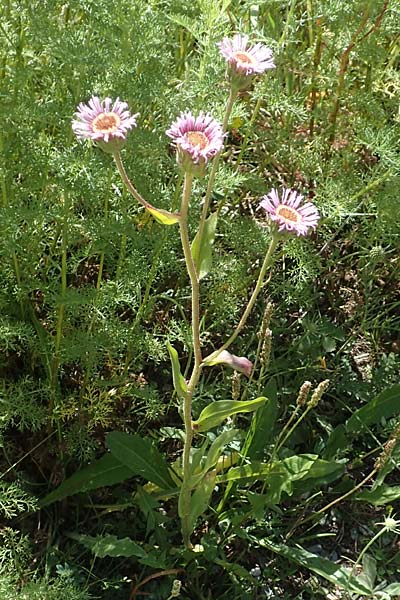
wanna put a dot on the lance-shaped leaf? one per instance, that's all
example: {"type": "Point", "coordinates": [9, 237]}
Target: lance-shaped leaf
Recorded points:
{"type": "Point", "coordinates": [107, 470]}
{"type": "Point", "coordinates": [214, 414]}
{"type": "Point", "coordinates": [141, 457]}
{"type": "Point", "coordinates": [239, 363]}
{"type": "Point", "coordinates": [178, 379]}
{"type": "Point", "coordinates": [163, 216]}
{"type": "Point", "coordinates": [202, 248]}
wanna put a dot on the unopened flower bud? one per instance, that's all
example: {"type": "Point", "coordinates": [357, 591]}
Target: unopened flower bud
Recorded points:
{"type": "Point", "coordinates": [240, 363]}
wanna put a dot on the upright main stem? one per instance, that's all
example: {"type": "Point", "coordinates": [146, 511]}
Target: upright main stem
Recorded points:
{"type": "Point", "coordinates": [185, 493]}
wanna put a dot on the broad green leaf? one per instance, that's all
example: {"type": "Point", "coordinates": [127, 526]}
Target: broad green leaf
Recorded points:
{"type": "Point", "coordinates": [178, 379]}
{"type": "Point", "coordinates": [108, 470]}
{"type": "Point", "coordinates": [141, 457]}
{"type": "Point", "coordinates": [163, 216]}
{"type": "Point", "coordinates": [201, 497]}
{"type": "Point", "coordinates": [202, 249]}
{"type": "Point", "coordinates": [386, 404]}
{"type": "Point", "coordinates": [214, 414]}
{"type": "Point", "coordinates": [381, 495]}
{"type": "Point", "coordinates": [109, 545]}
{"type": "Point", "coordinates": [321, 566]}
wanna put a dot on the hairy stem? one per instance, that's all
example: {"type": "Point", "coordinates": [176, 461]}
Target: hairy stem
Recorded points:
{"type": "Point", "coordinates": [185, 493]}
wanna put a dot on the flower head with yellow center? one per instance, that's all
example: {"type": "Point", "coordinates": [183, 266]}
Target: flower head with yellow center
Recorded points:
{"type": "Point", "coordinates": [103, 121]}
{"type": "Point", "coordinates": [289, 212]}
{"type": "Point", "coordinates": [197, 140]}
{"type": "Point", "coordinates": [244, 60]}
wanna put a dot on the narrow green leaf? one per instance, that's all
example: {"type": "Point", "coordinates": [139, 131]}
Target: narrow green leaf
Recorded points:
{"type": "Point", "coordinates": [202, 250]}
{"type": "Point", "coordinates": [108, 470]}
{"type": "Point", "coordinates": [386, 404]}
{"type": "Point", "coordinates": [139, 455]}
{"type": "Point", "coordinates": [214, 414]}
{"type": "Point", "coordinates": [178, 379]}
{"type": "Point", "coordinates": [321, 566]}
{"type": "Point", "coordinates": [109, 545]}
{"type": "Point", "coordinates": [163, 216]}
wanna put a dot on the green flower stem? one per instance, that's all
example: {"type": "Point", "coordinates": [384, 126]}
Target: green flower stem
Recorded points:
{"type": "Point", "coordinates": [207, 199]}
{"type": "Point", "coordinates": [185, 493]}
{"type": "Point", "coordinates": [127, 181]}
{"type": "Point", "coordinates": [260, 281]}
{"type": "Point", "coordinates": [135, 193]}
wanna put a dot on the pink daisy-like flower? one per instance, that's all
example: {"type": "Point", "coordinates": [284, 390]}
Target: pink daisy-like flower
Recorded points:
{"type": "Point", "coordinates": [289, 213]}
{"type": "Point", "coordinates": [103, 121]}
{"type": "Point", "coordinates": [197, 138]}
{"type": "Point", "coordinates": [246, 60]}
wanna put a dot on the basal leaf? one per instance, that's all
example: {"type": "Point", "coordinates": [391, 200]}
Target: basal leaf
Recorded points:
{"type": "Point", "coordinates": [108, 470]}
{"type": "Point", "coordinates": [139, 455]}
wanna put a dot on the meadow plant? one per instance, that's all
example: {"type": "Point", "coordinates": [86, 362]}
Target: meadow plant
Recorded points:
{"type": "Point", "coordinates": [199, 140]}
{"type": "Point", "coordinates": [95, 295]}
